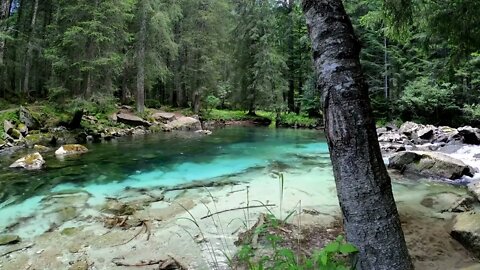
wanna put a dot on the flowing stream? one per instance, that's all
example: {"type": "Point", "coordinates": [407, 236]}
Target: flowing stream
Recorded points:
{"type": "Point", "coordinates": [254, 155]}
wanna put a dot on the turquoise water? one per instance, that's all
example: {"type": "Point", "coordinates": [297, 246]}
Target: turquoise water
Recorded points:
{"type": "Point", "coordinates": [163, 160]}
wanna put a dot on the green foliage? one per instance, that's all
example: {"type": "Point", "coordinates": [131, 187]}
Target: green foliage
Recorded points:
{"type": "Point", "coordinates": [153, 103]}
{"type": "Point", "coordinates": [10, 115]}
{"type": "Point", "coordinates": [427, 101]}
{"type": "Point", "coordinates": [297, 120]}
{"type": "Point", "coordinates": [336, 255]}
{"type": "Point", "coordinates": [212, 102]}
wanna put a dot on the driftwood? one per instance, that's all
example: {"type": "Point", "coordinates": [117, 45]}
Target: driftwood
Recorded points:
{"type": "Point", "coordinates": [196, 185]}
{"type": "Point", "coordinates": [238, 208]}
{"type": "Point", "coordinates": [169, 264]}
{"type": "Point", "coordinates": [145, 228]}
{"type": "Point", "coordinates": [17, 249]}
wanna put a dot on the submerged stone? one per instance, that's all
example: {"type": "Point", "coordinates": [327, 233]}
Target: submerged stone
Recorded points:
{"type": "Point", "coordinates": [465, 230]}
{"type": "Point", "coordinates": [9, 239]}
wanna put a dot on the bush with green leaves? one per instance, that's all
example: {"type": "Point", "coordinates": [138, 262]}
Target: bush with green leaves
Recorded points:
{"type": "Point", "coordinates": [426, 101]}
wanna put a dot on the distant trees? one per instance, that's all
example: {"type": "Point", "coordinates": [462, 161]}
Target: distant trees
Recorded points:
{"type": "Point", "coordinates": [249, 54]}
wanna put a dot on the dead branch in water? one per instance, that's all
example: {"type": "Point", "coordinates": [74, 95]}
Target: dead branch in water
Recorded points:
{"type": "Point", "coordinates": [238, 208]}
{"type": "Point", "coordinates": [196, 185]}
{"type": "Point", "coordinates": [17, 249]}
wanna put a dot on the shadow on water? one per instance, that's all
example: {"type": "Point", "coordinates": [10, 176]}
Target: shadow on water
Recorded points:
{"type": "Point", "coordinates": [179, 157]}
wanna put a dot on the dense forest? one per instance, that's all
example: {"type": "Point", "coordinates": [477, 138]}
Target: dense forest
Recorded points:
{"type": "Point", "coordinates": [421, 58]}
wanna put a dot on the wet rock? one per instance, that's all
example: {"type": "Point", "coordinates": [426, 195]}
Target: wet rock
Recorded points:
{"type": "Point", "coordinates": [474, 189]}
{"type": "Point", "coordinates": [16, 134]}
{"type": "Point", "coordinates": [408, 128]}
{"type": "Point", "coordinates": [7, 126]}
{"type": "Point", "coordinates": [164, 117]}
{"type": "Point", "coordinates": [381, 130]}
{"type": "Point", "coordinates": [430, 164]}
{"type": "Point", "coordinates": [132, 120]}
{"type": "Point", "coordinates": [185, 124]}
{"type": "Point", "coordinates": [23, 129]}
{"type": "Point", "coordinates": [426, 133]}
{"type": "Point", "coordinates": [41, 148]}
{"type": "Point", "coordinates": [390, 137]}
{"type": "Point", "coordinates": [28, 119]}
{"type": "Point", "coordinates": [71, 149]}
{"type": "Point", "coordinates": [9, 239]}
{"type": "Point", "coordinates": [203, 132]}
{"type": "Point", "coordinates": [461, 205]}
{"type": "Point", "coordinates": [391, 127]}
{"type": "Point", "coordinates": [465, 230]}
{"type": "Point", "coordinates": [470, 135]}
{"type": "Point", "coordinates": [30, 162]}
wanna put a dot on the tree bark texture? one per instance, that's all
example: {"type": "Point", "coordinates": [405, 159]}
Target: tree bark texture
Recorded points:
{"type": "Point", "coordinates": [29, 55]}
{"type": "Point", "coordinates": [141, 58]}
{"type": "Point", "coordinates": [364, 188]}
{"type": "Point", "coordinates": [4, 13]}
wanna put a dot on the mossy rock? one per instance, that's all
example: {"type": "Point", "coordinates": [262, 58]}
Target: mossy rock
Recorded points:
{"type": "Point", "coordinates": [9, 239]}
{"type": "Point", "coordinates": [71, 149]}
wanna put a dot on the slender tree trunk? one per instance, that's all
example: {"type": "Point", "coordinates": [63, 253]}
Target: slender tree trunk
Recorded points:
{"type": "Point", "coordinates": [364, 188]}
{"type": "Point", "coordinates": [4, 13]}
{"type": "Point", "coordinates": [141, 58]}
{"type": "Point", "coordinates": [291, 67]}
{"type": "Point", "coordinates": [29, 55]}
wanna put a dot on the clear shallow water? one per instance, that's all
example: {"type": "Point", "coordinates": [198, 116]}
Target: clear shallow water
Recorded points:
{"type": "Point", "coordinates": [177, 158]}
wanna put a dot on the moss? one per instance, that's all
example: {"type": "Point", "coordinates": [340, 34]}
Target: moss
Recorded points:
{"type": "Point", "coordinates": [30, 159]}
{"type": "Point", "coordinates": [69, 231]}
{"type": "Point", "coordinates": [75, 148]}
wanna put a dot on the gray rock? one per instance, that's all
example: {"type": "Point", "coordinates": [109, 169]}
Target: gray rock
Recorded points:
{"type": "Point", "coordinates": [390, 137]}
{"type": "Point", "coordinates": [426, 133]}
{"type": "Point", "coordinates": [408, 128]}
{"type": "Point", "coordinates": [23, 129]}
{"type": "Point", "coordinates": [132, 120]}
{"type": "Point", "coordinates": [30, 162]}
{"type": "Point", "coordinates": [9, 239]}
{"type": "Point", "coordinates": [164, 117]}
{"type": "Point", "coordinates": [465, 230]}
{"type": "Point", "coordinates": [474, 189]}
{"type": "Point", "coordinates": [8, 126]}
{"type": "Point", "coordinates": [28, 119]}
{"type": "Point", "coordinates": [430, 164]}
{"type": "Point", "coordinates": [470, 135]}
{"type": "Point", "coordinates": [184, 123]}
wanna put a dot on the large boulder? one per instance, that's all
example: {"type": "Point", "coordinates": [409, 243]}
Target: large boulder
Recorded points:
{"type": "Point", "coordinates": [28, 119]}
{"type": "Point", "coordinates": [408, 128]}
{"type": "Point", "coordinates": [474, 189]}
{"type": "Point", "coordinates": [184, 123]}
{"type": "Point", "coordinates": [430, 164]}
{"type": "Point", "coordinates": [30, 162]}
{"type": "Point", "coordinates": [8, 126]}
{"type": "Point", "coordinates": [71, 149]}
{"type": "Point", "coordinates": [163, 117]}
{"type": "Point", "coordinates": [426, 133]}
{"type": "Point", "coordinates": [465, 230]}
{"type": "Point", "coordinates": [470, 135]}
{"type": "Point", "coordinates": [390, 137]}
{"type": "Point", "coordinates": [132, 120]}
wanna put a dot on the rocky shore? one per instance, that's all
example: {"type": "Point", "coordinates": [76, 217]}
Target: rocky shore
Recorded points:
{"type": "Point", "coordinates": [30, 130]}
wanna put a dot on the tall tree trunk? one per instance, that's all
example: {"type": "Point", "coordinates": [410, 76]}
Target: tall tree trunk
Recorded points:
{"type": "Point", "coordinates": [29, 55]}
{"type": "Point", "coordinates": [364, 188]}
{"type": "Point", "coordinates": [4, 13]}
{"type": "Point", "coordinates": [291, 62]}
{"type": "Point", "coordinates": [141, 58]}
